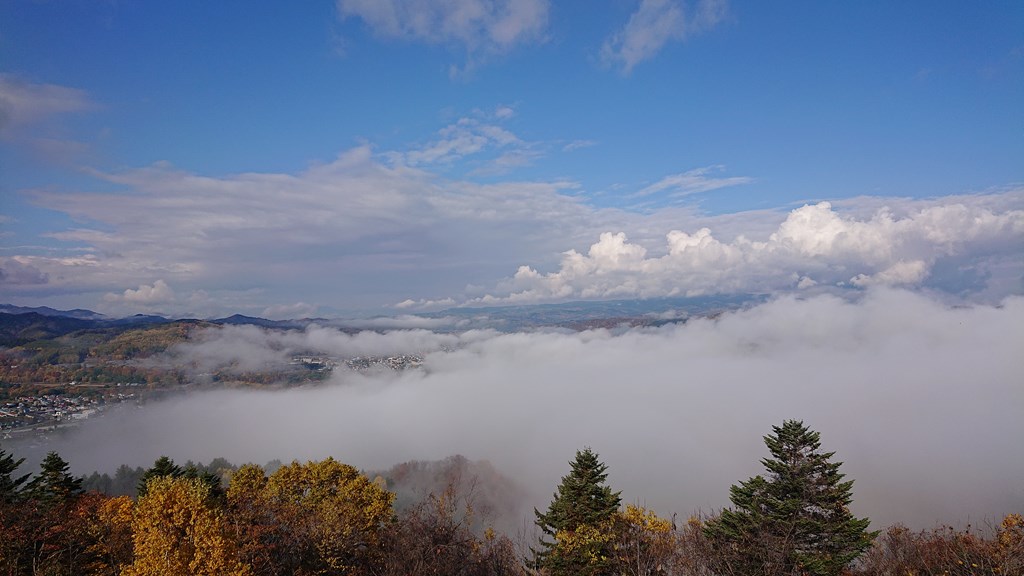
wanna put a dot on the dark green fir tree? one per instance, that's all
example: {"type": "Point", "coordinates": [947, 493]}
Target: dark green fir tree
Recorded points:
{"type": "Point", "coordinates": [795, 519]}
{"type": "Point", "coordinates": [584, 504]}
{"type": "Point", "coordinates": [163, 466]}
{"type": "Point", "coordinates": [10, 483]}
{"type": "Point", "coordinates": [54, 485]}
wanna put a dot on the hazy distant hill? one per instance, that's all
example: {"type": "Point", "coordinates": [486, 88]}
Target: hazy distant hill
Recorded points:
{"type": "Point", "coordinates": [21, 328]}
{"type": "Point", "coordinates": [47, 311]}
{"type": "Point", "coordinates": [18, 329]}
{"type": "Point", "coordinates": [583, 315]}
{"type": "Point", "coordinates": [20, 325]}
{"type": "Point", "coordinates": [239, 319]}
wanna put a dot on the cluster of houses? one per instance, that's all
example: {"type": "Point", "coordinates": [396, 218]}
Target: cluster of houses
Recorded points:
{"type": "Point", "coordinates": [51, 410]}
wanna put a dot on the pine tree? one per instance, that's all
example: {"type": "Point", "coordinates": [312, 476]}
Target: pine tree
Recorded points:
{"type": "Point", "coordinates": [10, 484]}
{"type": "Point", "coordinates": [13, 513]}
{"type": "Point", "coordinates": [795, 521]}
{"type": "Point", "coordinates": [578, 520]}
{"type": "Point", "coordinates": [163, 467]}
{"type": "Point", "coordinates": [54, 485]}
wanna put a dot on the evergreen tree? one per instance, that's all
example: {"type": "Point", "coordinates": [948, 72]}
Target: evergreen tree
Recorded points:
{"type": "Point", "coordinates": [578, 520]}
{"type": "Point", "coordinates": [54, 485]}
{"type": "Point", "coordinates": [10, 484]}
{"type": "Point", "coordinates": [163, 467]}
{"type": "Point", "coordinates": [126, 480]}
{"type": "Point", "coordinates": [795, 521]}
{"type": "Point", "coordinates": [13, 513]}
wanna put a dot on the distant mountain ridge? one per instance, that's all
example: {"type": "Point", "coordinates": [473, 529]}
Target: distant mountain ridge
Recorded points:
{"type": "Point", "coordinates": [20, 324]}
{"type": "Point", "coordinates": [47, 311]}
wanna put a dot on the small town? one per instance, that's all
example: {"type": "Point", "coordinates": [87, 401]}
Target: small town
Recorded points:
{"type": "Point", "coordinates": [49, 411]}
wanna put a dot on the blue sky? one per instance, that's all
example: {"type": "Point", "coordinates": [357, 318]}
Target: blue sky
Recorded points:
{"type": "Point", "coordinates": [292, 159]}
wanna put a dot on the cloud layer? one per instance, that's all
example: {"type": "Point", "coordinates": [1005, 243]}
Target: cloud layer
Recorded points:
{"type": "Point", "coordinates": [814, 245]}
{"type": "Point", "coordinates": [272, 242]}
{"type": "Point", "coordinates": [921, 401]}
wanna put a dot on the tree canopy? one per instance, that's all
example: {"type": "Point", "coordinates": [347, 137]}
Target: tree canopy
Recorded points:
{"type": "Point", "coordinates": [578, 519]}
{"type": "Point", "coordinates": [797, 519]}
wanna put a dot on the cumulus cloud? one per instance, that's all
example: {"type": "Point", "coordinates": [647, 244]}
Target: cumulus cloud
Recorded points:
{"type": "Point", "coordinates": [481, 27]}
{"type": "Point", "coordinates": [656, 23]}
{"type": "Point", "coordinates": [23, 102]}
{"type": "Point", "coordinates": [146, 295]}
{"type": "Point", "coordinates": [920, 400]}
{"type": "Point", "coordinates": [372, 226]}
{"type": "Point", "coordinates": [288, 311]}
{"type": "Point", "coordinates": [18, 271]}
{"type": "Point", "coordinates": [815, 244]}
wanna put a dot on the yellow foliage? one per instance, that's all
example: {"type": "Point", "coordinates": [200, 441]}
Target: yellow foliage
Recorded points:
{"type": "Point", "coordinates": [645, 543]}
{"type": "Point", "coordinates": [586, 541]}
{"type": "Point", "coordinates": [344, 501]}
{"type": "Point", "coordinates": [110, 532]}
{"type": "Point", "coordinates": [178, 532]}
{"type": "Point", "coordinates": [646, 520]}
{"type": "Point", "coordinates": [328, 514]}
{"type": "Point", "coordinates": [1010, 538]}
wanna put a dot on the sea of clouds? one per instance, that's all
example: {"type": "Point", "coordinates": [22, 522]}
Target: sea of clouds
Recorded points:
{"type": "Point", "coordinates": [921, 400]}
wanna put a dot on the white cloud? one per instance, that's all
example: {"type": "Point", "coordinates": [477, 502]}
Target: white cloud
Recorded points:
{"type": "Point", "coordinates": [289, 311]}
{"type": "Point", "coordinates": [656, 23]}
{"type": "Point", "coordinates": [813, 245]}
{"type": "Point", "coordinates": [426, 304]}
{"type": "Point", "coordinates": [23, 102]}
{"type": "Point", "coordinates": [504, 112]}
{"type": "Point", "coordinates": [466, 137]}
{"type": "Point", "coordinates": [367, 230]}
{"type": "Point", "coordinates": [481, 27]}
{"type": "Point", "coordinates": [146, 295]}
{"type": "Point", "coordinates": [356, 219]}
{"type": "Point", "coordinates": [577, 144]}
{"type": "Point", "coordinates": [693, 182]}
{"type": "Point", "coordinates": [19, 270]}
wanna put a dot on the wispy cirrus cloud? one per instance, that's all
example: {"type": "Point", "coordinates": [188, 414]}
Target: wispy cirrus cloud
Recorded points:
{"type": "Point", "coordinates": [493, 148]}
{"type": "Point", "coordinates": [692, 182]}
{"type": "Point", "coordinates": [23, 102]}
{"type": "Point", "coordinates": [480, 27]}
{"type": "Point", "coordinates": [27, 118]}
{"type": "Point", "coordinates": [465, 137]}
{"type": "Point", "coordinates": [656, 23]}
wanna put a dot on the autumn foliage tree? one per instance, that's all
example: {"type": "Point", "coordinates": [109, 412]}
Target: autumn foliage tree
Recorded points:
{"type": "Point", "coordinates": [435, 536]}
{"type": "Point", "coordinates": [107, 525]}
{"type": "Point", "coordinates": [947, 551]}
{"type": "Point", "coordinates": [313, 518]}
{"type": "Point", "coordinates": [644, 544]}
{"type": "Point", "coordinates": [179, 531]}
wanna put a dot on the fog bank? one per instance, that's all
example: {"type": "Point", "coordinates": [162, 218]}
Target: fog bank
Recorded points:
{"type": "Point", "coordinates": [923, 402]}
